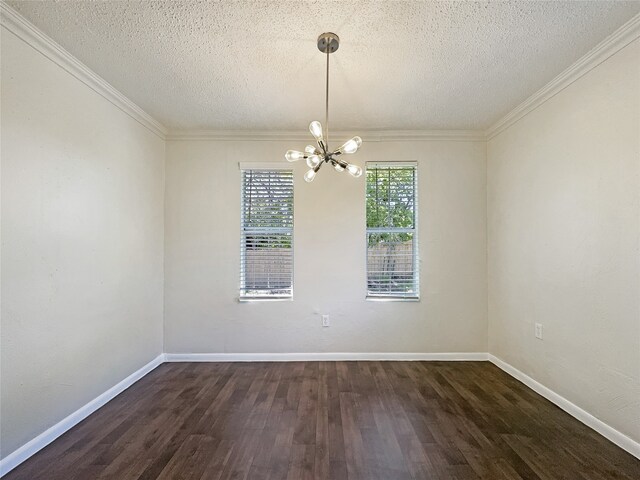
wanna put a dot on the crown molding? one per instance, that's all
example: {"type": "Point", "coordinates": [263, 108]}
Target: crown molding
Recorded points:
{"type": "Point", "coordinates": [304, 136]}
{"type": "Point", "coordinates": [31, 35]}
{"type": "Point", "coordinates": [615, 42]}
{"type": "Point", "coordinates": [27, 32]}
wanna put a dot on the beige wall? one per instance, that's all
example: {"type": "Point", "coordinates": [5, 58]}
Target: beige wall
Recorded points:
{"type": "Point", "coordinates": [564, 242]}
{"type": "Point", "coordinates": [202, 254]}
{"type": "Point", "coordinates": [82, 244]}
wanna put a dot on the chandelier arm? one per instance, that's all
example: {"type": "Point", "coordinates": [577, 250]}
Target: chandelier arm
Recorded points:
{"type": "Point", "coordinates": [340, 162]}
{"type": "Point", "coordinates": [323, 147]}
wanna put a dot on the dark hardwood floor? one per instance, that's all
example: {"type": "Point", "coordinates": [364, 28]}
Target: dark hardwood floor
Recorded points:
{"type": "Point", "coordinates": [329, 420]}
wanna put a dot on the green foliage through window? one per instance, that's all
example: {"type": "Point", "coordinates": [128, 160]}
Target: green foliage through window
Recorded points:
{"type": "Point", "coordinates": [391, 230]}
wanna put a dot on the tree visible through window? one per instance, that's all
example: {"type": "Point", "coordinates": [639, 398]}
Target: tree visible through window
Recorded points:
{"type": "Point", "coordinates": [266, 251]}
{"type": "Point", "coordinates": [392, 267]}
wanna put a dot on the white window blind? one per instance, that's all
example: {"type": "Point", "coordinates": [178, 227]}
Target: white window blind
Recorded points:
{"type": "Point", "coordinates": [266, 243]}
{"type": "Point", "coordinates": [392, 236]}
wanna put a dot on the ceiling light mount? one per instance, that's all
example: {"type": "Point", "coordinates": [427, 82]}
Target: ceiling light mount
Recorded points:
{"type": "Point", "coordinates": [328, 42]}
{"type": "Point", "coordinates": [317, 156]}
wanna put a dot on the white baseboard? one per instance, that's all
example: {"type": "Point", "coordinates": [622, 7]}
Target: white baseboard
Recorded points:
{"type": "Point", "coordinates": [585, 417]}
{"type": "Point", "coordinates": [15, 458]}
{"type": "Point", "coordinates": [320, 357]}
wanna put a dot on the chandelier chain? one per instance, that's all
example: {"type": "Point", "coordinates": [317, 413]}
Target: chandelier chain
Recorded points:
{"type": "Point", "coordinates": [326, 106]}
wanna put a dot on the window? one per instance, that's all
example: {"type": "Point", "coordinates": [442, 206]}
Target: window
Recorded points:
{"type": "Point", "coordinates": [392, 237]}
{"type": "Point", "coordinates": [266, 250]}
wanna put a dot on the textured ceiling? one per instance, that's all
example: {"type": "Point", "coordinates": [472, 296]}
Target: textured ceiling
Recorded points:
{"type": "Point", "coordinates": [255, 65]}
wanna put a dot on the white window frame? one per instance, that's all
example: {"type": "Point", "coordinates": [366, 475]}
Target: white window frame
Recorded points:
{"type": "Point", "coordinates": [263, 296]}
{"type": "Point", "coordinates": [396, 296]}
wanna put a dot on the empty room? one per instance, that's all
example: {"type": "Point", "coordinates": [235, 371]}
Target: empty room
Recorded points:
{"type": "Point", "coordinates": [355, 239]}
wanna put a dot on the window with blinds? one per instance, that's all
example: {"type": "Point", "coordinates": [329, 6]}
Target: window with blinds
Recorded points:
{"type": "Point", "coordinates": [266, 248]}
{"type": "Point", "coordinates": [392, 236]}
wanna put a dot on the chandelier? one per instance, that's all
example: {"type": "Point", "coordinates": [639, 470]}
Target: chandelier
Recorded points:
{"type": "Point", "coordinates": [317, 156]}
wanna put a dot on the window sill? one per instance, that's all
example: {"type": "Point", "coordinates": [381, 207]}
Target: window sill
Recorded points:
{"type": "Point", "coordinates": [264, 299]}
{"type": "Point", "coordinates": [375, 298]}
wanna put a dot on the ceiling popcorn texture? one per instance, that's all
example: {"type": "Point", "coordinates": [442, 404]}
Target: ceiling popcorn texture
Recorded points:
{"type": "Point", "coordinates": [255, 65]}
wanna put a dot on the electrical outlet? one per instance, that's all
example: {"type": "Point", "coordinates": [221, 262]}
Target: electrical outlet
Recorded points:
{"type": "Point", "coordinates": [325, 321]}
{"type": "Point", "coordinates": [538, 330]}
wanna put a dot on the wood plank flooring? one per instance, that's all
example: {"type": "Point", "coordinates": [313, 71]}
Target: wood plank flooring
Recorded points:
{"type": "Point", "coordinates": [329, 420]}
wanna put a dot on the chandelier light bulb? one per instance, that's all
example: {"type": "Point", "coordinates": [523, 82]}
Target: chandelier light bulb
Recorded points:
{"type": "Point", "coordinates": [351, 146]}
{"type": "Point", "coordinates": [316, 130]}
{"type": "Point", "coordinates": [313, 161]}
{"type": "Point", "coordinates": [338, 167]}
{"type": "Point", "coordinates": [294, 155]}
{"type": "Point", "coordinates": [354, 170]}
{"type": "Point", "coordinates": [309, 176]}
{"type": "Point", "coordinates": [310, 149]}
